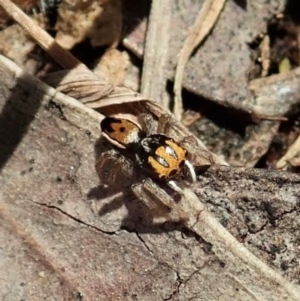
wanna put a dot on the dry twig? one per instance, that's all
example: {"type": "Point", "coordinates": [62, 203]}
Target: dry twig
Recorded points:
{"type": "Point", "coordinates": [206, 19]}
{"type": "Point", "coordinates": [61, 56]}
{"type": "Point", "coordinates": [154, 77]}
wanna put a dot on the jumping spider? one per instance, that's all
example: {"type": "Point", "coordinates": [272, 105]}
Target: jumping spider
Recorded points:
{"type": "Point", "coordinates": [151, 149]}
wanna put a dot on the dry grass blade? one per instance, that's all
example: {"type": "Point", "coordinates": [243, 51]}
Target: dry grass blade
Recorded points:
{"type": "Point", "coordinates": [80, 83]}
{"type": "Point", "coordinates": [154, 77]}
{"type": "Point", "coordinates": [61, 56]}
{"type": "Point", "coordinates": [206, 19]}
{"type": "Point", "coordinates": [292, 151]}
{"type": "Point", "coordinates": [95, 93]}
{"type": "Point", "coordinates": [63, 99]}
{"type": "Point", "coordinates": [85, 86]}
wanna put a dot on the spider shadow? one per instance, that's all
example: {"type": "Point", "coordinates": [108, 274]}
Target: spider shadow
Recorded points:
{"type": "Point", "coordinates": [140, 218]}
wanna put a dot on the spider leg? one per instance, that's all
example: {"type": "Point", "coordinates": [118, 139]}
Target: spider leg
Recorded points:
{"type": "Point", "coordinates": [147, 123]}
{"type": "Point", "coordinates": [156, 199]}
{"type": "Point", "coordinates": [175, 187]}
{"type": "Point", "coordinates": [169, 126]}
{"type": "Point", "coordinates": [198, 154]}
{"type": "Point", "coordinates": [164, 124]}
{"type": "Point", "coordinates": [165, 204]}
{"type": "Point", "coordinates": [109, 166]}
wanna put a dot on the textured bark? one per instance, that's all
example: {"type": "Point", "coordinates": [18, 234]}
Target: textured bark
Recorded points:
{"type": "Point", "coordinates": [62, 237]}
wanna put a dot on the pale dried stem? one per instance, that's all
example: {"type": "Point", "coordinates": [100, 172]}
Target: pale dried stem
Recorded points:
{"type": "Point", "coordinates": [205, 21]}
{"type": "Point", "coordinates": [154, 77]}
{"type": "Point", "coordinates": [63, 57]}
{"type": "Point", "coordinates": [292, 151]}
{"type": "Point", "coordinates": [52, 93]}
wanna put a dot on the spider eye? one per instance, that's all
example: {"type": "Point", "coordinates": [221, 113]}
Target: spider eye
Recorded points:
{"type": "Point", "coordinates": [181, 164]}
{"type": "Point", "coordinates": [170, 151]}
{"type": "Point", "coordinates": [173, 173]}
{"type": "Point", "coordinates": [162, 161]}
